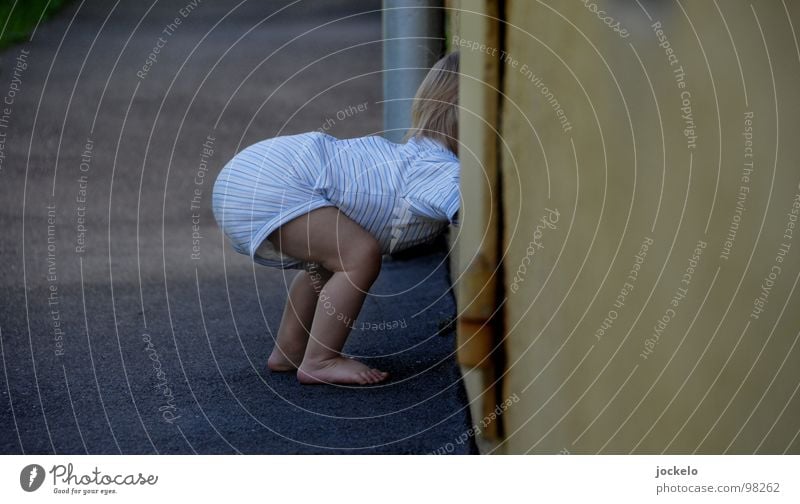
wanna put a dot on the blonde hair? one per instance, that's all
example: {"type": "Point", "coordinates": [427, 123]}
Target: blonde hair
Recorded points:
{"type": "Point", "coordinates": [434, 112]}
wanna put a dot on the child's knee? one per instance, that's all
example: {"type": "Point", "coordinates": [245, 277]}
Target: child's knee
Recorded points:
{"type": "Point", "coordinates": [361, 255]}
{"type": "Point", "coordinates": [369, 255]}
{"type": "Point", "coordinates": [316, 275]}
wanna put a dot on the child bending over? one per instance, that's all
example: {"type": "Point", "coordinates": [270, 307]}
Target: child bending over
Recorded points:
{"type": "Point", "coordinates": [332, 208]}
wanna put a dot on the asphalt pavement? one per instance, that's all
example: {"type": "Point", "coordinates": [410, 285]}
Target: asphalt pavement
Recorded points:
{"type": "Point", "coordinates": [127, 323]}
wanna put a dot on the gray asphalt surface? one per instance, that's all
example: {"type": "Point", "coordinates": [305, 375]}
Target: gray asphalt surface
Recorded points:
{"type": "Point", "coordinates": [127, 323]}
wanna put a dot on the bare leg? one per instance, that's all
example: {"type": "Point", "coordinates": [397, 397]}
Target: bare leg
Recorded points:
{"type": "Point", "coordinates": [292, 338]}
{"type": "Point", "coordinates": [341, 246]}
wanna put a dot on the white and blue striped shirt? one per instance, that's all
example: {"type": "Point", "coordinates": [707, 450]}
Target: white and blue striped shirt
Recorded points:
{"type": "Point", "coordinates": [403, 194]}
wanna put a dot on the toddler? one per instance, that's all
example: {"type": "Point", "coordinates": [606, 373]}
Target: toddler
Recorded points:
{"type": "Point", "coordinates": [332, 208]}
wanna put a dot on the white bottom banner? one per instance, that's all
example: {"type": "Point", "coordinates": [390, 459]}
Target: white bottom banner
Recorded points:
{"type": "Point", "coordinates": [389, 479]}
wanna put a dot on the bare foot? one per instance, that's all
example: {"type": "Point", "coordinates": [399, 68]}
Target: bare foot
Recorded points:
{"type": "Point", "coordinates": [284, 361]}
{"type": "Point", "coordinates": [339, 370]}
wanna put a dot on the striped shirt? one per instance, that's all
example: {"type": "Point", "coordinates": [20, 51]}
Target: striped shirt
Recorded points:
{"type": "Point", "coordinates": [403, 194]}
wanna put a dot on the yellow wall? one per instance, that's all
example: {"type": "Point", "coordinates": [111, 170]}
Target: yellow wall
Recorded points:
{"type": "Point", "coordinates": [613, 159]}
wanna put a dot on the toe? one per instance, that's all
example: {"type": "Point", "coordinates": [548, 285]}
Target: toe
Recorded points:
{"type": "Point", "coordinates": [378, 376]}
